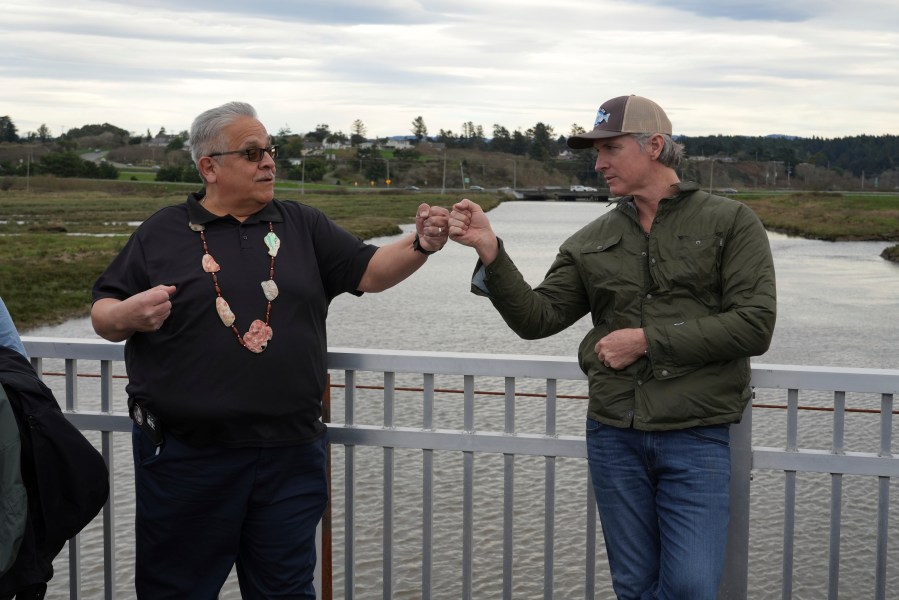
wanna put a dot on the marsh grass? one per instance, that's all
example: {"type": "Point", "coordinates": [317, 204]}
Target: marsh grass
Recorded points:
{"type": "Point", "coordinates": [832, 217]}
{"type": "Point", "coordinates": [55, 242]}
{"type": "Point", "coordinates": [46, 277]}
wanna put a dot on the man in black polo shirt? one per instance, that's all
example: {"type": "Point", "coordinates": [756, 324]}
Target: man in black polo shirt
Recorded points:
{"type": "Point", "coordinates": [223, 301]}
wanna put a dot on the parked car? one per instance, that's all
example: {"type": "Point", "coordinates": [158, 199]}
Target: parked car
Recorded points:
{"type": "Point", "coordinates": [413, 188]}
{"type": "Point", "coordinates": [476, 188]}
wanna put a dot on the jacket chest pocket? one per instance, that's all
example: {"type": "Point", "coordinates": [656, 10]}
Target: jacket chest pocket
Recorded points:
{"type": "Point", "coordinates": [693, 261]}
{"type": "Point", "coordinates": [601, 260]}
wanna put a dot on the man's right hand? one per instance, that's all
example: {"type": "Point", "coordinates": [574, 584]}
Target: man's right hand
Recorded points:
{"type": "Point", "coordinates": [469, 226]}
{"type": "Point", "coordinates": [115, 320]}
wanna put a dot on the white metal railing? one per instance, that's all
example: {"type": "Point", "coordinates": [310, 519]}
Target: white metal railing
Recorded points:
{"type": "Point", "coordinates": [366, 380]}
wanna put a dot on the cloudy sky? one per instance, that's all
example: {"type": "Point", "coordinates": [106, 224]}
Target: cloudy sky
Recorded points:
{"type": "Point", "coordinates": [822, 68]}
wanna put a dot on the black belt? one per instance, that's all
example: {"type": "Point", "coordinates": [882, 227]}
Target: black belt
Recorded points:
{"type": "Point", "coordinates": [147, 421]}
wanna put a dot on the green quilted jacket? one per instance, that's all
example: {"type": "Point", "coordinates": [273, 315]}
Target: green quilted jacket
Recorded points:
{"type": "Point", "coordinates": [701, 285]}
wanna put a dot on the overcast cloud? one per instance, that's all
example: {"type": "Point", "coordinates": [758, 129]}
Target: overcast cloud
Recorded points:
{"type": "Point", "coordinates": [807, 68]}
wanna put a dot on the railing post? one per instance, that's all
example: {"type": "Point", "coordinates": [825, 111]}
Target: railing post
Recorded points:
{"type": "Point", "coordinates": [735, 579]}
{"type": "Point", "coordinates": [326, 565]}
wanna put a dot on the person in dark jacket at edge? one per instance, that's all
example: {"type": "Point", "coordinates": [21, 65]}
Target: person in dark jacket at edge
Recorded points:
{"type": "Point", "coordinates": [18, 578]}
{"type": "Point", "coordinates": [681, 290]}
{"type": "Point", "coordinates": [223, 302]}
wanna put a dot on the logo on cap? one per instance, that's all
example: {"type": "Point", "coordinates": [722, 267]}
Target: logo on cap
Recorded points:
{"type": "Point", "coordinates": [601, 116]}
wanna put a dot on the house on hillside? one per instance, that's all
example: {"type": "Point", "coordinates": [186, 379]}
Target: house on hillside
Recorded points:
{"type": "Point", "coordinates": [313, 148]}
{"type": "Point", "coordinates": [336, 145]}
{"type": "Point", "coordinates": [161, 140]}
{"type": "Point", "coordinates": [398, 144]}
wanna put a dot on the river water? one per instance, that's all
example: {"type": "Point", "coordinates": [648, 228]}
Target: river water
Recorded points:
{"type": "Point", "coordinates": [837, 306]}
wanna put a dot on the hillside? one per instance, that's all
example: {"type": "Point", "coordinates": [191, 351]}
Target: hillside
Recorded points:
{"type": "Point", "coordinates": [863, 163]}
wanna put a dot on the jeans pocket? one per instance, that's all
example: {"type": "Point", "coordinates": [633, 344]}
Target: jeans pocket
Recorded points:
{"type": "Point", "coordinates": [718, 434]}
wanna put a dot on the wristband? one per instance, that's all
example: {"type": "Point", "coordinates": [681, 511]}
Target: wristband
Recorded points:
{"type": "Point", "coordinates": [416, 245]}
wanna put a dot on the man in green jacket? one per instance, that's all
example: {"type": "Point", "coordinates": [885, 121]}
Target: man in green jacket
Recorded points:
{"type": "Point", "coordinates": [680, 286]}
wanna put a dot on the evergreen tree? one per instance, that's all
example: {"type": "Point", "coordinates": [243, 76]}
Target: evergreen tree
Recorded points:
{"type": "Point", "coordinates": [502, 140]}
{"type": "Point", "coordinates": [358, 133]}
{"type": "Point", "coordinates": [419, 129]}
{"type": "Point", "coordinates": [8, 132]}
{"type": "Point", "coordinates": [542, 146]}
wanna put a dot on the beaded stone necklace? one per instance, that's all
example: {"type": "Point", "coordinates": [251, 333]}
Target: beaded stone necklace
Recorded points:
{"type": "Point", "coordinates": [259, 334]}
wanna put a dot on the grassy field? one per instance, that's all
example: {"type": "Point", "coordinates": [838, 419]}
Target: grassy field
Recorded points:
{"type": "Point", "coordinates": [834, 217]}
{"type": "Point", "coordinates": [47, 269]}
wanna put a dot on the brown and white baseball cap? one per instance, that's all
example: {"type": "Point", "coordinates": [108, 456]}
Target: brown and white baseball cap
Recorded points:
{"type": "Point", "coordinates": [623, 115]}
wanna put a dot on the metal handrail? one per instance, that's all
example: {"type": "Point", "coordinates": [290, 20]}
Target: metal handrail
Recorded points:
{"type": "Point", "coordinates": [832, 384]}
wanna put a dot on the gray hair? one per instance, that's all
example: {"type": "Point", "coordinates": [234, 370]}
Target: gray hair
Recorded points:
{"type": "Point", "coordinates": [672, 153]}
{"type": "Point", "coordinates": [206, 130]}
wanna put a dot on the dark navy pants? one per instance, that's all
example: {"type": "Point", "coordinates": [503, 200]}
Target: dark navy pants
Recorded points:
{"type": "Point", "coordinates": [201, 510]}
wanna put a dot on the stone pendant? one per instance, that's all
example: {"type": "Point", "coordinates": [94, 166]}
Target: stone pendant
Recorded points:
{"type": "Point", "coordinates": [256, 339]}
{"type": "Point", "coordinates": [224, 311]}
{"type": "Point", "coordinates": [270, 289]}
{"type": "Point", "coordinates": [209, 264]}
{"type": "Point", "coordinates": [273, 243]}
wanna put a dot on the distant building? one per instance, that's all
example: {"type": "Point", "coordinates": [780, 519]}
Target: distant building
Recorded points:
{"type": "Point", "coordinates": [398, 144]}
{"type": "Point", "coordinates": [161, 140]}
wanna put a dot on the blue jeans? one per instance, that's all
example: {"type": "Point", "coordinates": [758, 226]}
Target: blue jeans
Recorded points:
{"type": "Point", "coordinates": [663, 503]}
{"type": "Point", "coordinates": [201, 510]}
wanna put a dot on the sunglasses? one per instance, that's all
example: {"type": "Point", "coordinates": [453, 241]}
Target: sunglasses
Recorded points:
{"type": "Point", "coordinates": [252, 154]}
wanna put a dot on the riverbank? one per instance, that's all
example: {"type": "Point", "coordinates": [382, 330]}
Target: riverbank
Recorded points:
{"type": "Point", "coordinates": [56, 239]}
{"type": "Point", "coordinates": [831, 217]}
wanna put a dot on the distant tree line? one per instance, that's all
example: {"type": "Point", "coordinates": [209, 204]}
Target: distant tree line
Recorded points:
{"type": "Point", "coordinates": [857, 155]}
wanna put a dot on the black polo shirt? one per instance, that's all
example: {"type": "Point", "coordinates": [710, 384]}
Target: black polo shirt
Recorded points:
{"type": "Point", "coordinates": [193, 374]}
